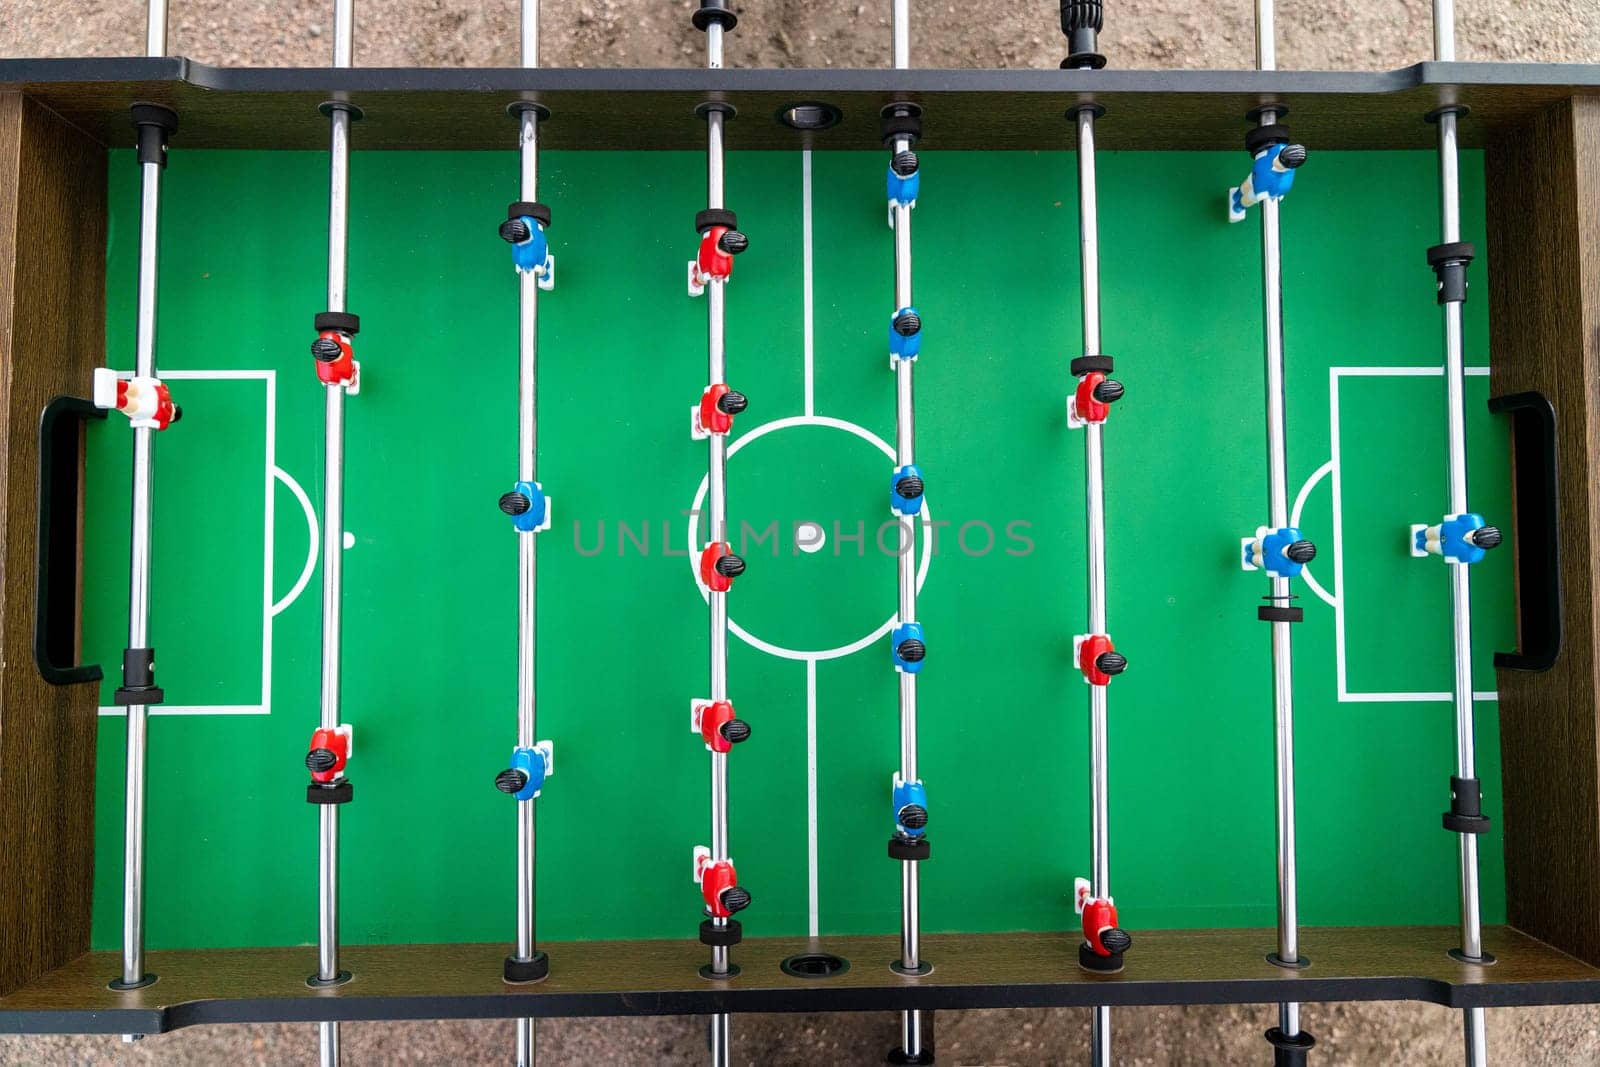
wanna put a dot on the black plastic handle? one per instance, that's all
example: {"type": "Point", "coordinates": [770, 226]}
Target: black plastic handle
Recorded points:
{"type": "Point", "coordinates": [55, 620]}
{"type": "Point", "coordinates": [1537, 523]}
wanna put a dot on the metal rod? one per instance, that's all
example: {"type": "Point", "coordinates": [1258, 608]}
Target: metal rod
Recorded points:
{"type": "Point", "coordinates": [527, 543]}
{"type": "Point", "coordinates": [333, 529]}
{"type": "Point", "coordinates": [1473, 1022]}
{"type": "Point", "coordinates": [1266, 36]}
{"type": "Point", "coordinates": [911, 1028]}
{"type": "Point", "coordinates": [139, 582]}
{"type": "Point", "coordinates": [1288, 951]}
{"type": "Point", "coordinates": [1094, 500]}
{"type": "Point", "coordinates": [155, 33]}
{"type": "Point", "coordinates": [716, 493]}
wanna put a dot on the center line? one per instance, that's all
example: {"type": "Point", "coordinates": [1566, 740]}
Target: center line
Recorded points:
{"type": "Point", "coordinates": [811, 784]}
{"type": "Point", "coordinates": [805, 230]}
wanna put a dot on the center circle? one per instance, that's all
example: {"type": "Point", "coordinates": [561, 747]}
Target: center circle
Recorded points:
{"type": "Point", "coordinates": [808, 508]}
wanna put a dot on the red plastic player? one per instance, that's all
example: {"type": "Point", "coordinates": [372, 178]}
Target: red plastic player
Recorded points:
{"type": "Point", "coordinates": [335, 358]}
{"type": "Point", "coordinates": [1089, 662]}
{"type": "Point", "coordinates": [1084, 404]}
{"type": "Point", "coordinates": [712, 418]}
{"type": "Point", "coordinates": [1098, 917]}
{"type": "Point", "coordinates": [712, 718]}
{"type": "Point", "coordinates": [719, 567]}
{"type": "Point", "coordinates": [715, 880]}
{"type": "Point", "coordinates": [163, 411]}
{"type": "Point", "coordinates": [336, 742]}
{"type": "Point", "coordinates": [146, 401]}
{"type": "Point", "coordinates": [714, 261]}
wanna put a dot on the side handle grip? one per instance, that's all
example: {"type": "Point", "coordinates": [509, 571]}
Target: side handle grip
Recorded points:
{"type": "Point", "coordinates": [1537, 522]}
{"type": "Point", "coordinates": [56, 588]}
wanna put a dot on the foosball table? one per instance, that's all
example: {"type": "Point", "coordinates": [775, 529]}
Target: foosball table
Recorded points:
{"type": "Point", "coordinates": [1337, 698]}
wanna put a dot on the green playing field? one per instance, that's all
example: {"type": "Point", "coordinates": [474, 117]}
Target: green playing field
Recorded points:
{"type": "Point", "coordinates": [430, 677]}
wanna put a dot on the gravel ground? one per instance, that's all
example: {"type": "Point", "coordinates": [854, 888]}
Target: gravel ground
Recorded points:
{"type": "Point", "coordinates": [1330, 34]}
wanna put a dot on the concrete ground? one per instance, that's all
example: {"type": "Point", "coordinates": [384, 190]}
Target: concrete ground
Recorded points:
{"type": "Point", "coordinates": [1327, 34]}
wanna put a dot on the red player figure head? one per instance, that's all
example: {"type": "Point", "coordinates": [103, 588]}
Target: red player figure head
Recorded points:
{"type": "Point", "coordinates": [335, 358]}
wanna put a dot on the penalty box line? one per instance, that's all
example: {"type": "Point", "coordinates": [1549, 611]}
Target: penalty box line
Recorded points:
{"type": "Point", "coordinates": [269, 608]}
{"type": "Point", "coordinates": [1332, 469]}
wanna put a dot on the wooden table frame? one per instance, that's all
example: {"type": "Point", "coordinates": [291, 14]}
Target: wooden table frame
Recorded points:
{"type": "Point", "coordinates": [1540, 129]}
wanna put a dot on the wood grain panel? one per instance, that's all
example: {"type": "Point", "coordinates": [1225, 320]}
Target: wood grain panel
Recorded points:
{"type": "Point", "coordinates": [52, 332]}
{"type": "Point", "coordinates": [1020, 110]}
{"type": "Point", "coordinates": [661, 977]}
{"type": "Point", "coordinates": [1544, 289]}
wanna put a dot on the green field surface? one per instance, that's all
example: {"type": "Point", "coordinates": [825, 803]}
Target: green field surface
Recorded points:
{"type": "Point", "coordinates": [430, 626]}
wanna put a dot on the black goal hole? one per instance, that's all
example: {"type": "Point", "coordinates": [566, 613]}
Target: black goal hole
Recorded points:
{"type": "Point", "coordinates": [815, 965]}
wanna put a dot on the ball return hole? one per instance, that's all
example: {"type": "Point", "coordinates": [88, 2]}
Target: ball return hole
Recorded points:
{"type": "Point", "coordinates": [815, 965]}
{"type": "Point", "coordinates": [810, 116]}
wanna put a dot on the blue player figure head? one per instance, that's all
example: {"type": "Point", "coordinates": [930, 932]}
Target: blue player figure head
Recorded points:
{"type": "Point", "coordinates": [523, 230]}
{"type": "Point", "coordinates": [1271, 175]}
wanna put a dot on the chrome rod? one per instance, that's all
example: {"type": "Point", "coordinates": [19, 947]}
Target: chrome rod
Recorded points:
{"type": "Point", "coordinates": [155, 30]}
{"type": "Point", "coordinates": [139, 555]}
{"type": "Point", "coordinates": [911, 1023]}
{"type": "Point", "coordinates": [1288, 949]}
{"type": "Point", "coordinates": [527, 545]}
{"type": "Point", "coordinates": [1473, 1021]}
{"type": "Point", "coordinates": [1094, 509]}
{"type": "Point", "coordinates": [333, 528]}
{"type": "Point", "coordinates": [717, 522]}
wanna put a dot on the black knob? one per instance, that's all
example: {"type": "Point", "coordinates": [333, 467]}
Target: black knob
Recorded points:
{"type": "Point", "coordinates": [515, 231]}
{"type": "Point", "coordinates": [911, 650]}
{"type": "Point", "coordinates": [1108, 391]}
{"type": "Point", "coordinates": [730, 566]}
{"type": "Point", "coordinates": [325, 349]}
{"type": "Point", "coordinates": [734, 730]}
{"type": "Point", "coordinates": [907, 323]}
{"type": "Point", "coordinates": [1486, 536]}
{"type": "Point", "coordinates": [1115, 941]}
{"type": "Point", "coordinates": [910, 487]}
{"type": "Point", "coordinates": [177, 414]}
{"type": "Point", "coordinates": [904, 163]}
{"type": "Point", "coordinates": [733, 242]}
{"type": "Point", "coordinates": [1292, 156]}
{"type": "Point", "coordinates": [1301, 552]}
{"type": "Point", "coordinates": [1111, 663]}
{"type": "Point", "coordinates": [913, 816]}
{"type": "Point", "coordinates": [510, 780]}
{"type": "Point", "coordinates": [1081, 14]}
{"type": "Point", "coordinates": [320, 759]}
{"type": "Point", "coordinates": [731, 403]}
{"type": "Point", "coordinates": [735, 898]}
{"type": "Point", "coordinates": [514, 503]}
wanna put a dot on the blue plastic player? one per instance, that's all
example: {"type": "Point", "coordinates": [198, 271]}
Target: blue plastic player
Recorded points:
{"type": "Point", "coordinates": [532, 254]}
{"type": "Point", "coordinates": [906, 644]}
{"type": "Point", "coordinates": [905, 492]}
{"type": "Point", "coordinates": [905, 334]}
{"type": "Point", "coordinates": [1282, 553]}
{"type": "Point", "coordinates": [910, 795]}
{"type": "Point", "coordinates": [1271, 178]}
{"type": "Point", "coordinates": [530, 767]}
{"type": "Point", "coordinates": [528, 507]}
{"type": "Point", "coordinates": [1459, 538]}
{"type": "Point", "coordinates": [903, 191]}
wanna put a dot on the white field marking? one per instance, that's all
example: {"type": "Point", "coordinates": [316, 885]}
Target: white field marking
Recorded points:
{"type": "Point", "coordinates": [1334, 374]}
{"type": "Point", "coordinates": [268, 609]}
{"type": "Point", "coordinates": [1294, 520]}
{"type": "Point", "coordinates": [313, 540]}
{"type": "Point", "coordinates": [805, 230]}
{"type": "Point", "coordinates": [349, 540]}
{"type": "Point", "coordinates": [694, 540]}
{"type": "Point", "coordinates": [811, 789]}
